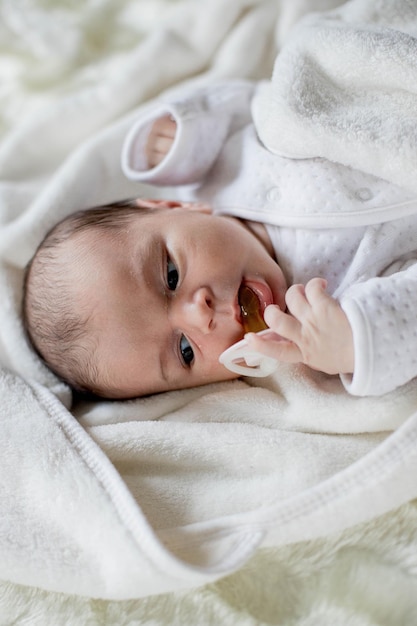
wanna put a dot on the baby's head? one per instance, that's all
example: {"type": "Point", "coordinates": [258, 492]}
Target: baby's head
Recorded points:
{"type": "Point", "coordinates": [142, 297]}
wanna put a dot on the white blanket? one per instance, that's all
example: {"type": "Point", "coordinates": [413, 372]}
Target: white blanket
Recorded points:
{"type": "Point", "coordinates": [126, 500]}
{"type": "Point", "coordinates": [343, 88]}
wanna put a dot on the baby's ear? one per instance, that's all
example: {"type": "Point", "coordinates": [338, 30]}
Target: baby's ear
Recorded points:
{"type": "Point", "coordinates": [202, 207]}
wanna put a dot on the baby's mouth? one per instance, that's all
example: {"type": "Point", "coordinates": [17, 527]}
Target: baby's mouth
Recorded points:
{"type": "Point", "coordinates": [250, 308]}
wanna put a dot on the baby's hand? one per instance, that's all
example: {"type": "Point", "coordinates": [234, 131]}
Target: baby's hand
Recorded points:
{"type": "Point", "coordinates": [315, 331]}
{"type": "Point", "coordinates": [160, 140]}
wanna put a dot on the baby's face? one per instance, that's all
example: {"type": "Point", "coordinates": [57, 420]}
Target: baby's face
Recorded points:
{"type": "Point", "coordinates": [163, 298]}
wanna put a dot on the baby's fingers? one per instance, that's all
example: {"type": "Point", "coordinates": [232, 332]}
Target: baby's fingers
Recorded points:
{"type": "Point", "coordinates": [297, 302]}
{"type": "Point", "coordinates": [302, 299]}
{"type": "Point", "coordinates": [160, 140]}
{"type": "Point", "coordinates": [158, 149]}
{"type": "Point", "coordinates": [285, 325]}
{"type": "Point", "coordinates": [165, 126]}
{"type": "Point", "coordinates": [273, 345]}
{"type": "Point", "coordinates": [315, 291]}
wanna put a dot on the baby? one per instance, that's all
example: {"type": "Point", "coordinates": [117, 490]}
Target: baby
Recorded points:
{"type": "Point", "coordinates": [143, 297]}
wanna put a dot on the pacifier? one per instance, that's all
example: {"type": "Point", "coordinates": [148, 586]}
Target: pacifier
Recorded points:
{"type": "Point", "coordinates": [239, 358]}
{"type": "Point", "coordinates": [252, 320]}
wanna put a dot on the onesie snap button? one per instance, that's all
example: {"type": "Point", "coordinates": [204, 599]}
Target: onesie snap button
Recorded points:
{"type": "Point", "coordinates": [273, 195]}
{"type": "Point", "coordinates": [363, 194]}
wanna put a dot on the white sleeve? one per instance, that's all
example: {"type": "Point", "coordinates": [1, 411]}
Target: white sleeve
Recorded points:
{"type": "Point", "coordinates": [383, 315]}
{"type": "Point", "coordinates": [204, 119]}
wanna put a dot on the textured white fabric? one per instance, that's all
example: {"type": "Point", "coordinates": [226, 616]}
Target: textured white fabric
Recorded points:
{"type": "Point", "coordinates": [217, 147]}
{"type": "Point", "coordinates": [364, 576]}
{"type": "Point", "coordinates": [343, 89]}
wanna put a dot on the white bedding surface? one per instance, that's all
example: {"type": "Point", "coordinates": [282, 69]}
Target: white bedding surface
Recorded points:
{"type": "Point", "coordinates": [307, 492]}
{"type": "Point", "coordinates": [363, 577]}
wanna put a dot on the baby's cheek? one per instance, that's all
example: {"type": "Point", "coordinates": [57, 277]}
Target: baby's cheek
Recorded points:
{"type": "Point", "coordinates": [218, 372]}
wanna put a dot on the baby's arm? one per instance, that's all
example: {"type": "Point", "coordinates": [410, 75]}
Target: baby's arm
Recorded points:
{"type": "Point", "coordinates": [315, 331]}
{"type": "Point", "coordinates": [177, 139]}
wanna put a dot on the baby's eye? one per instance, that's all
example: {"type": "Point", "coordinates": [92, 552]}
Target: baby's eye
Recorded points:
{"type": "Point", "coordinates": [172, 275]}
{"type": "Point", "coordinates": [186, 350]}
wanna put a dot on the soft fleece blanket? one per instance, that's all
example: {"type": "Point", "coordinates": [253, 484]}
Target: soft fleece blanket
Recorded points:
{"type": "Point", "coordinates": [305, 493]}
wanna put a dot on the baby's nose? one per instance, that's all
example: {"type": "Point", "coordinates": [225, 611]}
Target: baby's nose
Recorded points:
{"type": "Point", "coordinates": [198, 310]}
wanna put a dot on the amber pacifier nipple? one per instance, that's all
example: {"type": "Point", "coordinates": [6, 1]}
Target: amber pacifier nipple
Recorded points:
{"type": "Point", "coordinates": [249, 305]}
{"type": "Point", "coordinates": [239, 358]}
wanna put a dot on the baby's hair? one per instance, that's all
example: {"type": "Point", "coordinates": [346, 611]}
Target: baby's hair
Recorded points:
{"type": "Point", "coordinates": [55, 328]}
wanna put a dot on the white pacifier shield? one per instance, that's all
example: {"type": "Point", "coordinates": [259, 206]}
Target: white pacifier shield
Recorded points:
{"type": "Point", "coordinates": [257, 364]}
